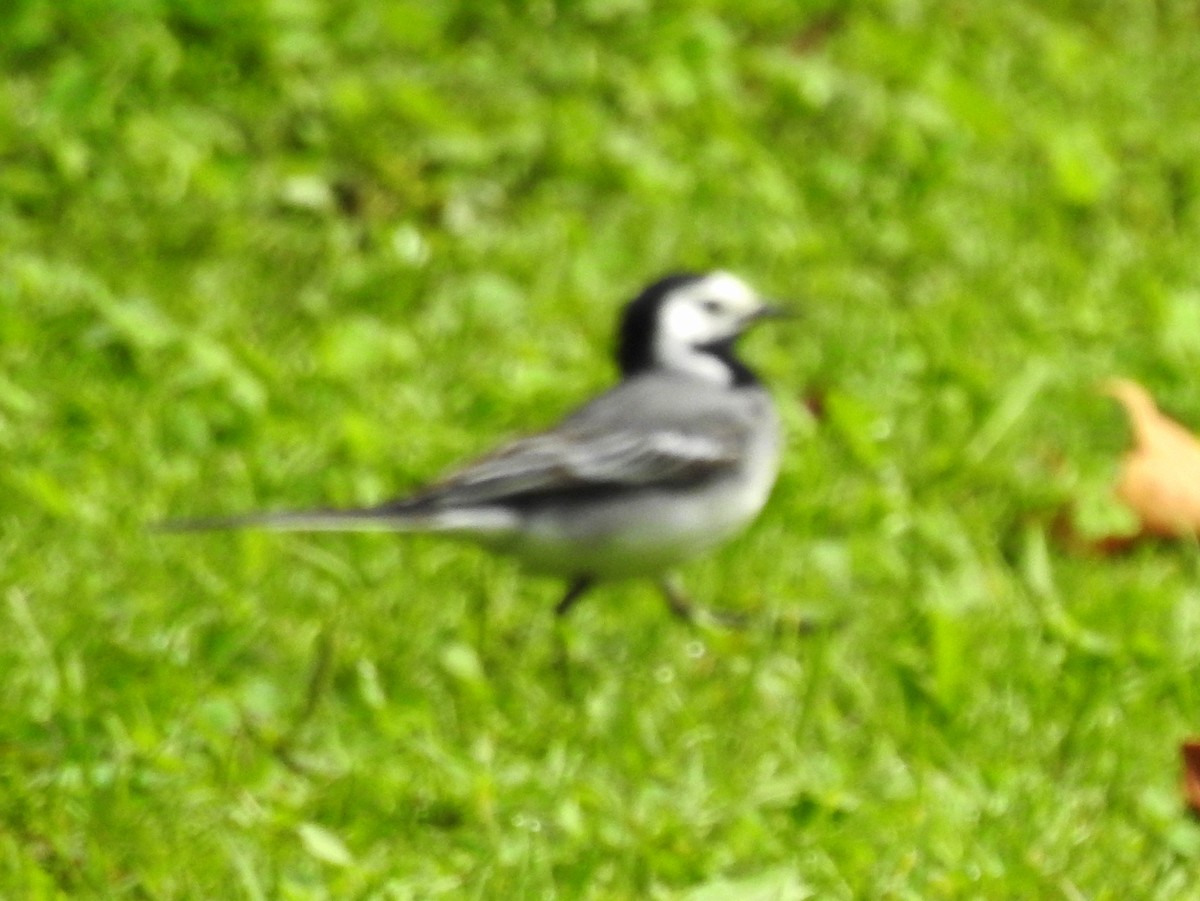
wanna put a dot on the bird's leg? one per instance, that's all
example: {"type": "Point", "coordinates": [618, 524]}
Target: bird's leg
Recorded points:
{"type": "Point", "coordinates": [683, 608]}
{"type": "Point", "coordinates": [284, 746]}
{"type": "Point", "coordinates": [676, 599]}
{"type": "Point", "coordinates": [562, 659]}
{"type": "Point", "coordinates": [576, 590]}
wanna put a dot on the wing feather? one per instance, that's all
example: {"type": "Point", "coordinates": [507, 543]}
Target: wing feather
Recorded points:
{"type": "Point", "coordinates": [573, 458]}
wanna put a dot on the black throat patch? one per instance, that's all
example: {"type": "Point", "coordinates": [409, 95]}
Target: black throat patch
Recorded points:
{"type": "Point", "coordinates": [743, 375]}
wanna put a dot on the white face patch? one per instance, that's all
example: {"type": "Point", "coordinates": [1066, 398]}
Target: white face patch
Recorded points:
{"type": "Point", "coordinates": [714, 309]}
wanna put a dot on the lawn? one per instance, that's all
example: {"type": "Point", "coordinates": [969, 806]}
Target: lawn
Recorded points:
{"type": "Point", "coordinates": [270, 255]}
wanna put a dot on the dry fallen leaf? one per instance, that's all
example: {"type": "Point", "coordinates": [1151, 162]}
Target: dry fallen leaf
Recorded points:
{"type": "Point", "coordinates": [1160, 477]}
{"type": "Point", "coordinates": [1190, 750]}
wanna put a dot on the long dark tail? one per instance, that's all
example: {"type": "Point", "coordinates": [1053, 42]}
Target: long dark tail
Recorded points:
{"type": "Point", "coordinates": [409, 515]}
{"type": "Point", "coordinates": [395, 517]}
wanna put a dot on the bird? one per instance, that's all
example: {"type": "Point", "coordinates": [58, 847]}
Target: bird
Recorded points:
{"type": "Point", "coordinates": [678, 456]}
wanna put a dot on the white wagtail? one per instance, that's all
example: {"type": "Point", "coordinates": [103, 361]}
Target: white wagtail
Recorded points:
{"type": "Point", "coordinates": [677, 457]}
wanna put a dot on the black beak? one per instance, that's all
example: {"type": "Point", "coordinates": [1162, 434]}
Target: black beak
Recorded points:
{"type": "Point", "coordinates": [771, 310]}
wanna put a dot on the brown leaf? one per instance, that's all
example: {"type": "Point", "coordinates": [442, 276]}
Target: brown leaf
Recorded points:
{"type": "Point", "coordinates": [814, 400]}
{"type": "Point", "coordinates": [1160, 477]}
{"type": "Point", "coordinates": [1190, 751]}
{"type": "Point", "coordinates": [1067, 534]}
{"type": "Point", "coordinates": [816, 32]}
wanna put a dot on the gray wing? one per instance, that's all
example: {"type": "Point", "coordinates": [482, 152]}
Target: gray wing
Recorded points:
{"type": "Point", "coordinates": [567, 459]}
{"type": "Point", "coordinates": [641, 433]}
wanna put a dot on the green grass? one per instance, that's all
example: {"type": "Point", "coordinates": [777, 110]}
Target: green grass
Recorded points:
{"type": "Point", "coordinates": [269, 255]}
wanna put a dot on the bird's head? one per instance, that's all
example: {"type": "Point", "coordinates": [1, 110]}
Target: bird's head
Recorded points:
{"type": "Point", "coordinates": [689, 322]}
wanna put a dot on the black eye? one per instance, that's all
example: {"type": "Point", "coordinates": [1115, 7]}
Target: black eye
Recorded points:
{"type": "Point", "coordinates": [713, 306]}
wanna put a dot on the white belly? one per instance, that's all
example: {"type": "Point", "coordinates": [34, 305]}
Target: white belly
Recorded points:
{"type": "Point", "coordinates": [634, 535]}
